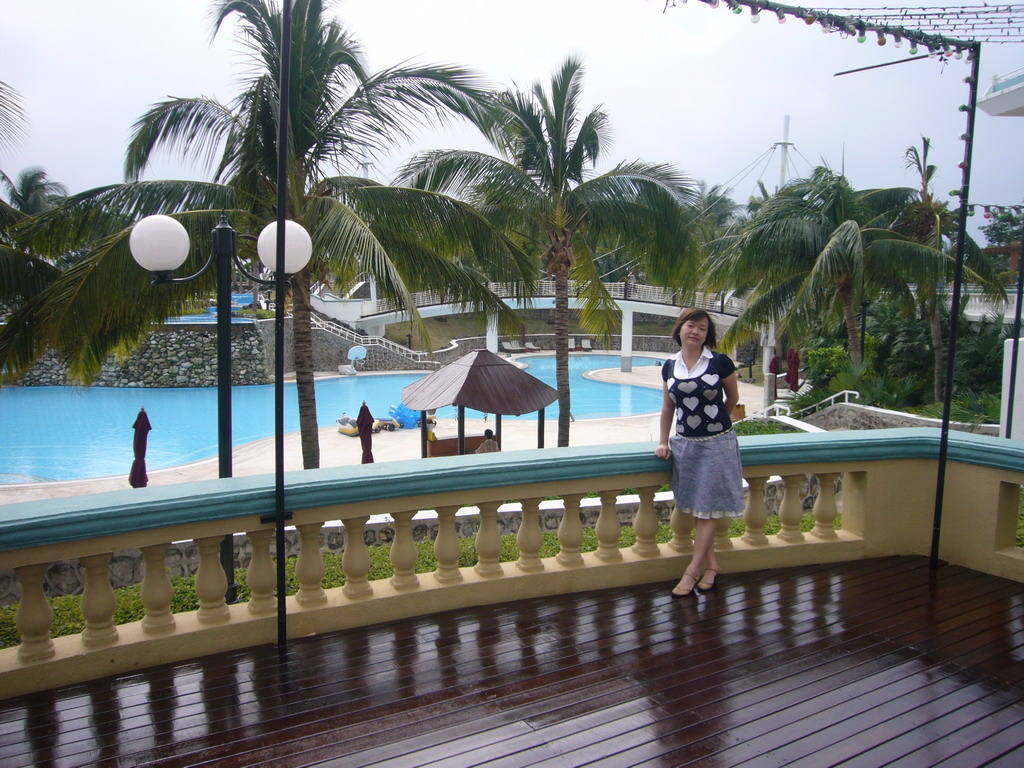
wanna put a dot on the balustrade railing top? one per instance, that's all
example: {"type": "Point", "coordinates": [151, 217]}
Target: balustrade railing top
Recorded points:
{"type": "Point", "coordinates": [53, 521]}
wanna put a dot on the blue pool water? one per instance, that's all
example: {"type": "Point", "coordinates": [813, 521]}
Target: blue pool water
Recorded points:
{"type": "Point", "coordinates": [69, 433]}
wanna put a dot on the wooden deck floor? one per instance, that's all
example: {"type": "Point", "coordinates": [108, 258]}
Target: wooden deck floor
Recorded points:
{"type": "Point", "coordinates": [864, 664]}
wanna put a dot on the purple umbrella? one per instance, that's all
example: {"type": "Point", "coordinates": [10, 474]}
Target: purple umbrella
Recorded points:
{"type": "Point", "coordinates": [364, 421]}
{"type": "Point", "coordinates": [138, 477]}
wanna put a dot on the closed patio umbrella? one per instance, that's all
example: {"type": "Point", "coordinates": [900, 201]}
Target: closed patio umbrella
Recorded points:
{"type": "Point", "coordinates": [364, 421]}
{"type": "Point", "coordinates": [138, 477]}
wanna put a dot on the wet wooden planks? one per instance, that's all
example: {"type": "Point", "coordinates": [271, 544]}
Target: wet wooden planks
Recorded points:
{"type": "Point", "coordinates": [865, 663]}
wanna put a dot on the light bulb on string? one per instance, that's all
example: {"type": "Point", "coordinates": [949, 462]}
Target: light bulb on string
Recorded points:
{"type": "Point", "coordinates": [862, 36]}
{"type": "Point", "coordinates": [881, 37]}
{"type": "Point", "coordinates": [714, 3]}
{"type": "Point", "coordinates": [897, 41]}
{"type": "Point", "coordinates": [755, 14]}
{"type": "Point", "coordinates": [781, 14]}
{"type": "Point", "coordinates": [913, 48]}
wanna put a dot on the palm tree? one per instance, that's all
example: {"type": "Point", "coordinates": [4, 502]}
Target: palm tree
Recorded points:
{"type": "Point", "coordinates": [929, 221]}
{"type": "Point", "coordinates": [407, 239]}
{"type": "Point", "coordinates": [32, 191]}
{"type": "Point", "coordinates": [812, 249]}
{"type": "Point", "coordinates": [541, 188]}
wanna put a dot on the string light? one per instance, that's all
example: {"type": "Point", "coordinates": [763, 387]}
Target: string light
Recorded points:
{"type": "Point", "coordinates": [933, 27]}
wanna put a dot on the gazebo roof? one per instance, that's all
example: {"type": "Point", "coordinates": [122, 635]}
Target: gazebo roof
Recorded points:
{"type": "Point", "coordinates": [482, 381]}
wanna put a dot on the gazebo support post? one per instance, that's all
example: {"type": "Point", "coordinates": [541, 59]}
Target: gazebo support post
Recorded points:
{"type": "Point", "coordinates": [540, 428]}
{"type": "Point", "coordinates": [423, 434]}
{"type": "Point", "coordinates": [497, 428]}
{"type": "Point", "coordinates": [462, 430]}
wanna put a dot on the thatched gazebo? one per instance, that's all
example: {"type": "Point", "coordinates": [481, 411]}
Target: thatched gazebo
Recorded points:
{"type": "Point", "coordinates": [485, 382]}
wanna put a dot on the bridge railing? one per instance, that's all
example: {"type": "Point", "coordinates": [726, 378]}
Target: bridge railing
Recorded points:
{"type": "Point", "coordinates": [652, 294]}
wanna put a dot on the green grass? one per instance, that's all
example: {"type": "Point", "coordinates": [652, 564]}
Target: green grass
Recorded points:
{"type": "Point", "coordinates": [67, 619]}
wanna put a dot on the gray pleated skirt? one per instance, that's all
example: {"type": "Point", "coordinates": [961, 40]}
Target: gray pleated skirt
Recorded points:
{"type": "Point", "coordinates": [707, 478]}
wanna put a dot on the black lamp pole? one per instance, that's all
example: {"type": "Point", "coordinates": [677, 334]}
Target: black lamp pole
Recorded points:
{"type": "Point", "coordinates": [954, 310]}
{"type": "Point", "coordinates": [280, 515]}
{"type": "Point", "coordinates": [225, 251]}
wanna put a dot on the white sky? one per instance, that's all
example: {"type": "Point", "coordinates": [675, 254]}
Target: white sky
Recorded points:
{"type": "Point", "coordinates": [698, 87]}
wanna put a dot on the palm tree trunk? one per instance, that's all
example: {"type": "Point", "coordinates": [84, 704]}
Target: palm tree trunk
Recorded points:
{"type": "Point", "coordinates": [938, 356]}
{"type": "Point", "coordinates": [850, 317]}
{"type": "Point", "coordinates": [561, 275]}
{"type": "Point", "coordinates": [302, 345]}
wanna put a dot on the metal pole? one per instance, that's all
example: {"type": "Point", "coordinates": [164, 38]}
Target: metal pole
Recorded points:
{"type": "Point", "coordinates": [1011, 395]}
{"type": "Point", "coordinates": [279, 298]}
{"type": "Point", "coordinates": [954, 311]}
{"type": "Point", "coordinates": [223, 243]}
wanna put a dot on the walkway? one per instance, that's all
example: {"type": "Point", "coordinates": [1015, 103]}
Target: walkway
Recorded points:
{"type": "Point", "coordinates": [876, 662]}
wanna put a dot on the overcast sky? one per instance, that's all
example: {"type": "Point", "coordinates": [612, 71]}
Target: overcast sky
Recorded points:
{"type": "Point", "coordinates": [698, 87]}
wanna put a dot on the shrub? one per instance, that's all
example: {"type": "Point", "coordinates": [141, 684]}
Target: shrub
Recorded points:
{"type": "Point", "coordinates": [823, 363]}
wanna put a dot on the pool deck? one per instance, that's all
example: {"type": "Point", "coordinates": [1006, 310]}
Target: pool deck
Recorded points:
{"type": "Point", "coordinates": [257, 457]}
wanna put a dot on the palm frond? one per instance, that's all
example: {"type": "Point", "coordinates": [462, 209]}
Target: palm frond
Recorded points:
{"type": "Point", "coordinates": [197, 128]}
{"type": "Point", "coordinates": [12, 117]}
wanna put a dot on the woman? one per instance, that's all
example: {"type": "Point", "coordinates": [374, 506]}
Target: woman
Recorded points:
{"type": "Point", "coordinates": [700, 390]}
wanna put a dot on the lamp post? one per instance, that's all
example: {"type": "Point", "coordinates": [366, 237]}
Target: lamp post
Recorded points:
{"type": "Point", "coordinates": [160, 244]}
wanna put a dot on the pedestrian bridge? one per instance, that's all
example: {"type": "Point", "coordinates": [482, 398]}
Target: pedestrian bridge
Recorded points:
{"type": "Point", "coordinates": [369, 315]}
{"type": "Point", "coordinates": [363, 310]}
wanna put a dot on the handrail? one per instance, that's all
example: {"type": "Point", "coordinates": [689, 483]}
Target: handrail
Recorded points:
{"type": "Point", "coordinates": [831, 400]}
{"type": "Point", "coordinates": [347, 334]}
{"type": "Point", "coordinates": [781, 409]}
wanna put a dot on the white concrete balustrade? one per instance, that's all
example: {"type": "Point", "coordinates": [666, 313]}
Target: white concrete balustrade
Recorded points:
{"type": "Point", "coordinates": [886, 503]}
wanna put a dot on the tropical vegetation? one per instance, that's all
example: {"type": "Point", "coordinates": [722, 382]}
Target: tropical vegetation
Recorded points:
{"type": "Point", "coordinates": [338, 112]}
{"type": "Point", "coordinates": [541, 189]}
{"type": "Point", "coordinates": [807, 258]}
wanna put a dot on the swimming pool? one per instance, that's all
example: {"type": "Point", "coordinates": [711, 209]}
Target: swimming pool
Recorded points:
{"type": "Point", "coordinates": [73, 433]}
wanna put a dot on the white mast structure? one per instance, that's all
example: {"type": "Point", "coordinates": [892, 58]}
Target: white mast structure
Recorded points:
{"type": "Point", "coordinates": [768, 334]}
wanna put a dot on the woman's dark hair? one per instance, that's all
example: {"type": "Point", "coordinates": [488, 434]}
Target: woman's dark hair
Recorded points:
{"type": "Point", "coordinates": [695, 314]}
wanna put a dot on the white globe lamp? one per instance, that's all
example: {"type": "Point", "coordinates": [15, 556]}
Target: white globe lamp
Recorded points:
{"type": "Point", "coordinates": [159, 243]}
{"type": "Point", "coordinates": [298, 247]}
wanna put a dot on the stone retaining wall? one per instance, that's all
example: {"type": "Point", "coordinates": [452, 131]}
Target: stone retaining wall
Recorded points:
{"type": "Point", "coordinates": [174, 356]}
{"type": "Point", "coordinates": [853, 416]}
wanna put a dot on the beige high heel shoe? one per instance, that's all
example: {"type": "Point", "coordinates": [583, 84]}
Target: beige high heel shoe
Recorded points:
{"type": "Point", "coordinates": [705, 586]}
{"type": "Point", "coordinates": [688, 592]}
